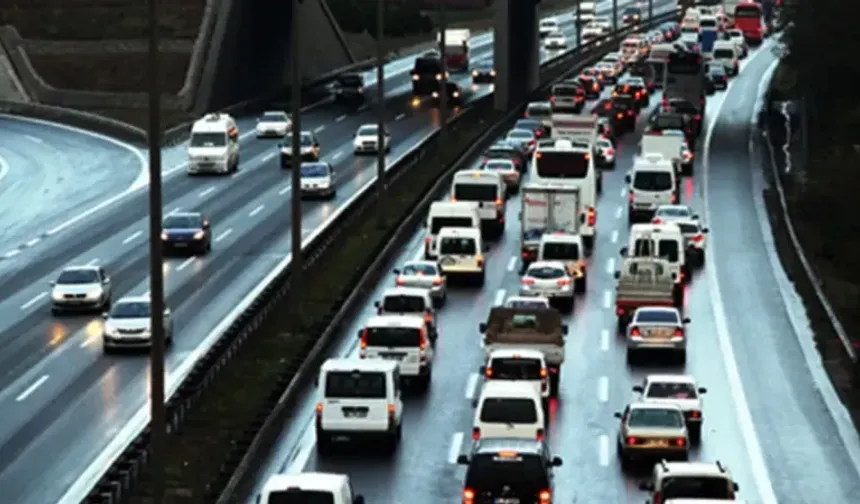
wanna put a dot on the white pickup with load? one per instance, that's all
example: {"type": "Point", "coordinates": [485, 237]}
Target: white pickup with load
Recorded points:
{"type": "Point", "coordinates": [587, 12]}
{"type": "Point", "coordinates": [670, 147]}
{"type": "Point", "coordinates": [458, 45]}
{"type": "Point", "coordinates": [576, 128]}
{"type": "Point", "coordinates": [528, 328]}
{"type": "Point", "coordinates": [644, 281]}
{"type": "Point", "coordinates": [547, 209]}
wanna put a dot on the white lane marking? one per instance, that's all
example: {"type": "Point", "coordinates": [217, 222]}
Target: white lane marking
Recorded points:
{"type": "Point", "coordinates": [623, 191]}
{"type": "Point", "coordinates": [4, 167]}
{"type": "Point", "coordinates": [256, 211]}
{"type": "Point", "coordinates": [93, 262]}
{"type": "Point", "coordinates": [270, 156]}
{"type": "Point", "coordinates": [399, 117]}
{"type": "Point", "coordinates": [206, 192]}
{"type": "Point", "coordinates": [471, 385]}
{"type": "Point", "coordinates": [185, 263]}
{"type": "Point", "coordinates": [175, 211]}
{"type": "Point", "coordinates": [36, 299]}
{"type": "Point", "coordinates": [34, 139]}
{"type": "Point", "coordinates": [336, 155]}
{"type": "Point", "coordinates": [751, 442]}
{"type": "Point", "coordinates": [32, 388]}
{"type": "Point", "coordinates": [610, 265]}
{"type": "Point", "coordinates": [614, 236]}
{"type": "Point", "coordinates": [607, 299]}
{"type": "Point", "coordinates": [500, 297]}
{"type": "Point", "coordinates": [32, 242]}
{"type": "Point", "coordinates": [618, 212]}
{"type": "Point", "coordinates": [223, 235]}
{"type": "Point", "coordinates": [604, 340]}
{"type": "Point", "coordinates": [11, 254]}
{"type": "Point", "coordinates": [86, 342]}
{"type": "Point", "coordinates": [132, 237]}
{"type": "Point", "coordinates": [454, 449]}
{"type": "Point", "coordinates": [340, 118]}
{"type": "Point", "coordinates": [603, 389]}
{"type": "Point", "coordinates": [319, 129]}
{"type": "Point", "coordinates": [603, 450]}
{"type": "Point", "coordinates": [145, 294]}
{"type": "Point", "coordinates": [512, 263]}
{"type": "Point", "coordinates": [285, 190]}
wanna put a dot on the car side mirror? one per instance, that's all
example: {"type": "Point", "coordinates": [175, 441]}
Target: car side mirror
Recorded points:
{"type": "Point", "coordinates": [617, 275]}
{"type": "Point", "coordinates": [463, 459]}
{"type": "Point", "coordinates": [359, 333]}
{"type": "Point", "coordinates": [617, 414]}
{"type": "Point", "coordinates": [564, 329]}
{"type": "Point", "coordinates": [556, 462]}
{"type": "Point", "coordinates": [377, 304]}
{"type": "Point", "coordinates": [474, 403]}
{"type": "Point", "coordinates": [106, 280]}
{"type": "Point", "coordinates": [482, 327]}
{"type": "Point", "coordinates": [104, 315]}
{"type": "Point", "coordinates": [358, 499]}
{"type": "Point", "coordinates": [52, 283]}
{"type": "Point", "coordinates": [646, 486]}
{"type": "Point", "coordinates": [695, 217]}
{"type": "Point", "coordinates": [482, 370]}
{"type": "Point", "coordinates": [638, 388]}
{"type": "Point", "coordinates": [736, 486]}
{"type": "Point", "coordinates": [705, 230]}
{"type": "Point", "coordinates": [623, 251]}
{"type": "Point", "coordinates": [703, 390]}
{"type": "Point", "coordinates": [686, 320]}
{"type": "Point", "coordinates": [396, 271]}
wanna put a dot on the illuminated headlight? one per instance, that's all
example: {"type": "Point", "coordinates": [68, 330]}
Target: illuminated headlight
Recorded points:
{"type": "Point", "coordinates": [164, 236]}
{"type": "Point", "coordinates": [110, 331]}
{"type": "Point", "coordinates": [435, 94]}
{"type": "Point", "coordinates": [94, 293]}
{"type": "Point", "coordinates": [56, 295]}
{"type": "Point", "coordinates": [493, 73]}
{"type": "Point", "coordinates": [416, 77]}
{"type": "Point", "coordinates": [456, 94]}
{"type": "Point", "coordinates": [474, 73]}
{"type": "Point", "coordinates": [199, 235]}
{"type": "Point", "coordinates": [360, 89]}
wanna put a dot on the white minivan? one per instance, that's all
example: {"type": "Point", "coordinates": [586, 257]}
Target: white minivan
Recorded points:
{"type": "Point", "coordinates": [727, 53]}
{"type": "Point", "coordinates": [309, 487]}
{"type": "Point", "coordinates": [213, 146]}
{"type": "Point", "coordinates": [450, 214]}
{"type": "Point", "coordinates": [661, 240]}
{"type": "Point", "coordinates": [488, 189]}
{"type": "Point", "coordinates": [404, 339]}
{"type": "Point", "coordinates": [519, 365]}
{"type": "Point", "coordinates": [509, 409]}
{"type": "Point", "coordinates": [652, 182]}
{"type": "Point", "coordinates": [461, 253]}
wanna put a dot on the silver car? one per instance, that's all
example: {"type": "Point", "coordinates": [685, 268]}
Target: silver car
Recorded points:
{"type": "Point", "coordinates": [425, 275]}
{"type": "Point", "coordinates": [81, 288]}
{"type": "Point", "coordinates": [681, 391]}
{"type": "Point", "coordinates": [128, 325]}
{"type": "Point", "coordinates": [651, 431]}
{"type": "Point", "coordinates": [657, 329]}
{"type": "Point", "coordinates": [551, 280]}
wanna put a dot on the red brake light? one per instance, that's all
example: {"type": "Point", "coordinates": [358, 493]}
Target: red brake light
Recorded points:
{"type": "Point", "coordinates": [680, 442]}
{"type": "Point", "coordinates": [632, 441]}
{"type": "Point", "coordinates": [319, 408]}
{"type": "Point", "coordinates": [697, 117]}
{"type": "Point", "coordinates": [619, 311]}
{"type": "Point", "coordinates": [674, 198]}
{"type": "Point", "coordinates": [630, 196]}
{"type": "Point", "coordinates": [543, 372]}
{"type": "Point", "coordinates": [679, 333]}
{"type": "Point", "coordinates": [539, 435]}
{"type": "Point", "coordinates": [428, 318]}
{"type": "Point", "coordinates": [635, 332]}
{"type": "Point", "coordinates": [610, 151]}
{"type": "Point", "coordinates": [552, 99]}
{"type": "Point", "coordinates": [476, 433]}
{"type": "Point", "coordinates": [698, 238]}
{"type": "Point", "coordinates": [620, 116]}
{"type": "Point", "coordinates": [363, 340]}
{"type": "Point", "coordinates": [656, 220]}
{"type": "Point", "coordinates": [545, 497]}
{"type": "Point", "coordinates": [630, 112]}
{"type": "Point", "coordinates": [563, 282]}
{"type": "Point", "coordinates": [695, 414]}
{"type": "Point", "coordinates": [527, 281]}
{"type": "Point", "coordinates": [468, 496]}
{"type": "Point", "coordinates": [591, 216]}
{"type": "Point", "coordinates": [423, 342]}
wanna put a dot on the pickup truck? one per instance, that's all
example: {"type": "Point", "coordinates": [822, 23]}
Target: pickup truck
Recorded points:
{"type": "Point", "coordinates": [532, 328]}
{"type": "Point", "coordinates": [644, 281]}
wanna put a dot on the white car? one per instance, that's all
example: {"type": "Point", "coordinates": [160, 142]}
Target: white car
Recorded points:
{"type": "Point", "coordinates": [309, 487]}
{"type": "Point", "coordinates": [671, 213]}
{"type": "Point", "coordinates": [401, 338]}
{"type": "Point", "coordinates": [549, 279]}
{"type": "Point", "coordinates": [273, 124]}
{"type": "Point", "coordinates": [655, 329]}
{"type": "Point", "coordinates": [522, 365]}
{"type": "Point", "coordinates": [548, 26]}
{"type": "Point", "coordinates": [674, 481]}
{"type": "Point", "coordinates": [367, 139]}
{"type": "Point", "coordinates": [555, 41]}
{"type": "Point", "coordinates": [81, 288]}
{"type": "Point", "coordinates": [317, 180]}
{"type": "Point", "coordinates": [695, 234]}
{"type": "Point", "coordinates": [127, 325]}
{"type": "Point", "coordinates": [510, 410]}
{"type": "Point", "coordinates": [528, 302]}
{"type": "Point", "coordinates": [737, 37]}
{"type": "Point", "coordinates": [680, 390]}
{"type": "Point", "coordinates": [424, 274]}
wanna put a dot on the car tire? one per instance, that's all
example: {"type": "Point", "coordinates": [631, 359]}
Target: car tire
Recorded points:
{"type": "Point", "coordinates": [55, 310]}
{"type": "Point", "coordinates": [695, 435]}
{"type": "Point", "coordinates": [681, 358]}
{"type": "Point", "coordinates": [323, 443]}
{"type": "Point", "coordinates": [554, 381]}
{"type": "Point", "coordinates": [425, 381]}
{"type": "Point", "coordinates": [580, 285]}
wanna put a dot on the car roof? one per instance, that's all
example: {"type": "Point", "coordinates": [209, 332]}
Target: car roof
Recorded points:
{"type": "Point", "coordinates": [359, 365]}
{"type": "Point", "coordinates": [507, 389]}
{"type": "Point", "coordinates": [133, 299]}
{"type": "Point", "coordinates": [694, 468]}
{"type": "Point", "coordinates": [82, 267]}
{"type": "Point", "coordinates": [670, 378]}
{"type": "Point", "coordinates": [516, 353]}
{"type": "Point", "coordinates": [407, 320]}
{"type": "Point", "coordinates": [661, 309]}
{"type": "Point", "coordinates": [306, 481]}
{"type": "Point", "coordinates": [406, 291]}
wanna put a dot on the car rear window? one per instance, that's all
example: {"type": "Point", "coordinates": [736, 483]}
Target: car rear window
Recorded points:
{"type": "Point", "coordinates": [508, 410]}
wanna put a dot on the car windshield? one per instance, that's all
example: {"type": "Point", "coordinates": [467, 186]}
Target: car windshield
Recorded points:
{"type": "Point", "coordinates": [545, 272]}
{"type": "Point", "coordinates": [450, 245]}
{"type": "Point", "coordinates": [419, 269]}
{"type": "Point", "coordinates": [130, 309]}
{"type": "Point", "coordinates": [368, 130]}
{"type": "Point", "coordinates": [350, 80]}
{"type": "Point", "coordinates": [522, 473]}
{"type": "Point", "coordinates": [403, 304]}
{"type": "Point", "coordinates": [655, 417]}
{"type": "Point", "coordinates": [181, 222]}
{"type": "Point", "coordinates": [724, 54]}
{"type": "Point", "coordinates": [437, 223]}
{"type": "Point", "coordinates": [476, 192]}
{"type": "Point", "coordinates": [300, 496]}
{"type": "Point", "coordinates": [215, 139]}
{"type": "Point", "coordinates": [561, 251]}
{"type": "Point", "coordinates": [314, 170]}
{"type": "Point", "coordinates": [652, 180]}
{"type": "Point", "coordinates": [508, 410]}
{"type": "Point", "coordinates": [274, 117]}
{"type": "Point", "coordinates": [78, 276]}
{"type": "Point", "coordinates": [528, 124]}
{"type": "Point", "coordinates": [659, 390]}
{"type": "Point", "coordinates": [515, 369]}
{"type": "Point", "coordinates": [697, 487]}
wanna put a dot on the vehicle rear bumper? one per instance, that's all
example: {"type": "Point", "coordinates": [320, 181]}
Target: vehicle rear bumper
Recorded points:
{"type": "Point", "coordinates": [654, 453]}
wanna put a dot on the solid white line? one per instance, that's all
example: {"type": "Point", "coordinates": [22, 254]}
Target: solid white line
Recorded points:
{"type": "Point", "coordinates": [500, 297]}
{"type": "Point", "coordinates": [607, 299]}
{"type": "Point", "coordinates": [223, 235]}
{"type": "Point", "coordinates": [145, 294]}
{"type": "Point", "coordinates": [340, 118]}
{"type": "Point", "coordinates": [604, 340]}
{"type": "Point", "coordinates": [623, 191]}
{"type": "Point", "coordinates": [256, 211]}
{"type": "Point", "coordinates": [175, 211]}
{"type": "Point", "coordinates": [185, 263]}
{"type": "Point", "coordinates": [471, 385]}
{"type": "Point", "coordinates": [93, 262]}
{"type": "Point", "coordinates": [336, 155]}
{"type": "Point", "coordinates": [32, 388]}
{"type": "Point", "coordinates": [614, 236]}
{"type": "Point", "coordinates": [285, 190]}
{"type": "Point", "coordinates": [618, 212]}
{"type": "Point", "coordinates": [33, 242]}
{"type": "Point", "coordinates": [610, 265]}
{"type": "Point", "coordinates": [132, 237]}
{"type": "Point", "coordinates": [748, 432]}
{"type": "Point", "coordinates": [206, 192]}
{"type": "Point", "coordinates": [399, 117]}
{"type": "Point", "coordinates": [603, 389]}
{"type": "Point", "coordinates": [33, 301]}
{"type": "Point", "coordinates": [512, 263]}
{"type": "Point", "coordinates": [454, 449]}
{"type": "Point", "coordinates": [319, 129]}
{"type": "Point", "coordinates": [34, 139]}
{"type": "Point", "coordinates": [603, 450]}
{"type": "Point", "coordinates": [268, 157]}
{"type": "Point", "coordinates": [12, 253]}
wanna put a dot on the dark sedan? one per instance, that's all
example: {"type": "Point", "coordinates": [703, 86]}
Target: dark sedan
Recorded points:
{"type": "Point", "coordinates": [483, 73]}
{"type": "Point", "coordinates": [507, 150]}
{"type": "Point", "coordinates": [187, 232]}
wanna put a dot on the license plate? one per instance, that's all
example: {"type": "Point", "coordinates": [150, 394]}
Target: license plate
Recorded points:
{"type": "Point", "coordinates": [355, 414]}
{"type": "Point", "coordinates": [392, 356]}
{"type": "Point", "coordinates": [659, 333]}
{"type": "Point", "coordinates": [506, 500]}
{"type": "Point", "coordinates": [658, 443]}
{"type": "Point", "coordinates": [180, 244]}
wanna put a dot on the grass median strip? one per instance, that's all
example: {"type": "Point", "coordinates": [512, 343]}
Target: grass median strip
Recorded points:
{"type": "Point", "coordinates": [229, 407]}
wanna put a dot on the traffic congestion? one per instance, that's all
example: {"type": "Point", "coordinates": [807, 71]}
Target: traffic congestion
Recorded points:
{"type": "Point", "coordinates": [583, 222]}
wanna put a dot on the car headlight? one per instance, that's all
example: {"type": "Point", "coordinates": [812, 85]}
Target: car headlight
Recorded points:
{"type": "Point", "coordinates": [109, 331]}
{"type": "Point", "coordinates": [56, 295]}
{"type": "Point", "coordinates": [164, 236]}
{"type": "Point", "coordinates": [474, 73]}
{"type": "Point", "coordinates": [199, 235]}
{"type": "Point", "coordinates": [94, 293]}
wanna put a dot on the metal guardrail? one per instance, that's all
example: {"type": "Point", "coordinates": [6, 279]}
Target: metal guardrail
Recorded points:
{"type": "Point", "coordinates": [124, 459]}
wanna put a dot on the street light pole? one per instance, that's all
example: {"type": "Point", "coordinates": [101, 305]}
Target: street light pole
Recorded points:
{"type": "Point", "coordinates": [614, 15]}
{"type": "Point", "coordinates": [380, 111]}
{"type": "Point", "coordinates": [650, 10]}
{"type": "Point", "coordinates": [296, 160]}
{"type": "Point", "coordinates": [443, 82]}
{"type": "Point", "coordinates": [158, 411]}
{"type": "Point", "coordinates": [578, 23]}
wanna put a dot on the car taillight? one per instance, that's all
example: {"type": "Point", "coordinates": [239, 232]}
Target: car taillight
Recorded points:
{"type": "Point", "coordinates": [363, 340]}
{"type": "Point", "coordinates": [630, 196]}
{"type": "Point", "coordinates": [595, 87]}
{"type": "Point", "coordinates": [657, 498]}
{"type": "Point", "coordinates": [422, 343]}
{"type": "Point", "coordinates": [697, 117]}
{"type": "Point", "coordinates": [318, 415]}
{"type": "Point", "coordinates": [468, 496]}
{"type": "Point", "coordinates": [563, 282]}
{"type": "Point", "coordinates": [591, 217]}
{"type": "Point", "coordinates": [632, 441]}
{"type": "Point", "coordinates": [656, 220]}
{"type": "Point", "coordinates": [545, 497]}
{"type": "Point", "coordinates": [399, 282]}
{"type": "Point", "coordinates": [538, 133]}
{"type": "Point", "coordinates": [539, 435]}
{"type": "Point", "coordinates": [620, 116]}
{"type": "Point", "coordinates": [437, 281]}
{"type": "Point", "coordinates": [610, 151]}
{"type": "Point", "coordinates": [695, 414]}
{"type": "Point", "coordinates": [428, 318]}
{"type": "Point", "coordinates": [680, 442]}
{"type": "Point", "coordinates": [476, 433]}
{"type": "Point", "coordinates": [480, 261]}
{"type": "Point", "coordinates": [391, 413]}
{"type": "Point", "coordinates": [679, 333]}
{"type": "Point", "coordinates": [629, 112]}
{"type": "Point", "coordinates": [619, 311]}
{"type": "Point", "coordinates": [674, 198]}
{"type": "Point", "coordinates": [552, 99]}
{"type": "Point", "coordinates": [527, 281]}
{"type": "Point", "coordinates": [499, 202]}
{"type": "Point", "coordinates": [635, 332]}
{"type": "Point", "coordinates": [698, 238]}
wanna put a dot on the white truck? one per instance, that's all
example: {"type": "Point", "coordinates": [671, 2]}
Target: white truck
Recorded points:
{"type": "Point", "coordinates": [670, 147]}
{"type": "Point", "coordinates": [529, 328]}
{"type": "Point", "coordinates": [574, 127]}
{"type": "Point", "coordinates": [587, 12]}
{"type": "Point", "coordinates": [458, 45]}
{"type": "Point", "coordinates": [644, 281]}
{"type": "Point", "coordinates": [547, 209]}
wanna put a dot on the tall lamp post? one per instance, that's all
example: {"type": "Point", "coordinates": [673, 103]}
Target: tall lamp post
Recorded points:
{"type": "Point", "coordinates": [615, 15]}
{"type": "Point", "coordinates": [156, 275]}
{"type": "Point", "coordinates": [443, 82]}
{"type": "Point", "coordinates": [380, 110]}
{"type": "Point", "coordinates": [578, 23]}
{"type": "Point", "coordinates": [296, 162]}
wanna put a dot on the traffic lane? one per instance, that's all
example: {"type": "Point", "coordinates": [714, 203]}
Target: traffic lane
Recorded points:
{"type": "Point", "coordinates": [47, 172]}
{"type": "Point", "coordinates": [801, 442]}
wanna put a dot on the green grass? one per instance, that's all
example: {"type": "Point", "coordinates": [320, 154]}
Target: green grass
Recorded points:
{"type": "Point", "coordinates": [229, 406]}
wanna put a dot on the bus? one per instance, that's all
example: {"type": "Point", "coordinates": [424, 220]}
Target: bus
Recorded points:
{"type": "Point", "coordinates": [685, 79]}
{"type": "Point", "coordinates": [748, 20]}
{"type": "Point", "coordinates": [569, 162]}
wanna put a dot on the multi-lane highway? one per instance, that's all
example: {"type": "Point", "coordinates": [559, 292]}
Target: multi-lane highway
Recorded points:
{"type": "Point", "coordinates": [768, 413]}
{"type": "Point", "coordinates": [50, 170]}
{"type": "Point", "coordinates": [67, 407]}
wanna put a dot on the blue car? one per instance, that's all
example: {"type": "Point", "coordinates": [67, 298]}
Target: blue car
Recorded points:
{"type": "Point", "coordinates": [186, 233]}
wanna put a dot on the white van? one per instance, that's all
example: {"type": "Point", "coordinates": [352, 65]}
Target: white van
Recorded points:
{"type": "Point", "coordinates": [450, 214]}
{"type": "Point", "coordinates": [309, 487]}
{"type": "Point", "coordinates": [213, 146]}
{"type": "Point", "coordinates": [509, 409]}
{"type": "Point", "coordinates": [547, 26]}
{"type": "Point", "coordinates": [664, 241]}
{"type": "Point", "coordinates": [404, 339]}
{"type": "Point", "coordinates": [409, 301]}
{"type": "Point", "coordinates": [488, 189]}
{"type": "Point", "coordinates": [652, 182]}
{"type": "Point", "coordinates": [461, 252]}
{"type": "Point", "coordinates": [727, 53]}
{"type": "Point", "coordinates": [669, 146]}
{"type": "Point", "coordinates": [519, 365]}
{"type": "Point", "coordinates": [316, 179]}
{"type": "Point", "coordinates": [358, 398]}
